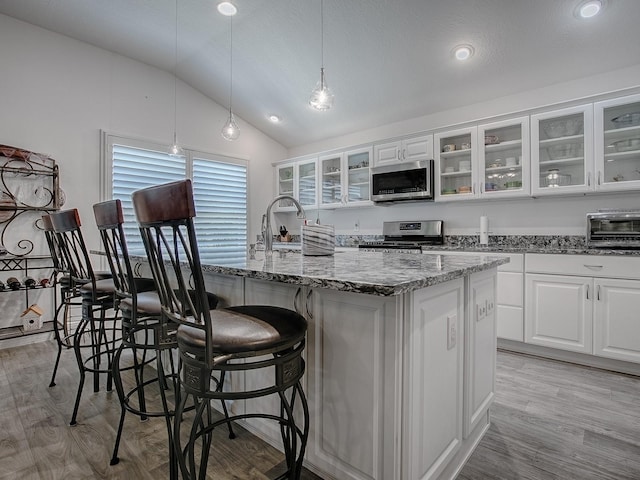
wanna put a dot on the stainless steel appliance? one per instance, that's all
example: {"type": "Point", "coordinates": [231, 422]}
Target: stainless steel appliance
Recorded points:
{"type": "Point", "coordinates": [402, 182]}
{"type": "Point", "coordinates": [408, 236]}
{"type": "Point", "coordinates": [613, 229]}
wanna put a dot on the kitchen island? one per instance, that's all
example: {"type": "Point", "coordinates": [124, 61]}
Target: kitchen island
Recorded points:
{"type": "Point", "coordinates": [400, 356]}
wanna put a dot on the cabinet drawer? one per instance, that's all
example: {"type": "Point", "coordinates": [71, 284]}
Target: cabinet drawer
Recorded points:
{"type": "Point", "coordinates": [584, 265]}
{"type": "Point", "coordinates": [516, 263]}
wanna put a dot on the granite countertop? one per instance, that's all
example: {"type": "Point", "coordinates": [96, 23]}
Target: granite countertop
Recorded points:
{"type": "Point", "coordinates": [373, 273]}
{"type": "Point", "coordinates": [497, 249]}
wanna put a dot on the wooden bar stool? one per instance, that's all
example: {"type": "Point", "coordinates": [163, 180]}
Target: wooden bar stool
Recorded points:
{"type": "Point", "coordinates": [214, 342]}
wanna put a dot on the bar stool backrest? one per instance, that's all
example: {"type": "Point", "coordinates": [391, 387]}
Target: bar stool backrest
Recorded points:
{"type": "Point", "coordinates": [110, 220]}
{"type": "Point", "coordinates": [73, 250]}
{"type": "Point", "coordinates": [165, 214]}
{"type": "Point", "coordinates": [52, 243]}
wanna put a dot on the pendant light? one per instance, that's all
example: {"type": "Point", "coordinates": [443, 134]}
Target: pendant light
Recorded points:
{"type": "Point", "coordinates": [321, 97]}
{"type": "Point", "coordinates": [230, 130]}
{"type": "Point", "coordinates": [175, 150]}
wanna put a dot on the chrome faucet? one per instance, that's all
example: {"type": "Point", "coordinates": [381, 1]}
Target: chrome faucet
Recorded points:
{"type": "Point", "coordinates": [267, 233]}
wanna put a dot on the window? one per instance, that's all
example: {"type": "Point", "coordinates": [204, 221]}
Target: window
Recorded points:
{"type": "Point", "coordinates": [219, 190]}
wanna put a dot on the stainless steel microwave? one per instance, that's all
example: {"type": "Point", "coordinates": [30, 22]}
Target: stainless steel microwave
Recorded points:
{"type": "Point", "coordinates": [402, 182]}
{"type": "Point", "coordinates": [614, 229]}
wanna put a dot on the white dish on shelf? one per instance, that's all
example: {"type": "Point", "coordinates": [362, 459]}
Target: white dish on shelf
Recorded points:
{"type": "Point", "coordinates": [563, 128]}
{"type": "Point", "coordinates": [627, 120]}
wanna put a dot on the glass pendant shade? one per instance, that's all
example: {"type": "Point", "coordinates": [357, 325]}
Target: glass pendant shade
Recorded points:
{"type": "Point", "coordinates": [176, 150]}
{"type": "Point", "coordinates": [230, 131]}
{"type": "Point", "coordinates": [321, 96]}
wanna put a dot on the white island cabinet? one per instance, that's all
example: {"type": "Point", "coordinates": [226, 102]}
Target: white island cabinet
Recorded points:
{"type": "Point", "coordinates": [400, 357]}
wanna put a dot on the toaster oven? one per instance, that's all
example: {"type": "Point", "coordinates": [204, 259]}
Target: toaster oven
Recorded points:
{"type": "Point", "coordinates": [613, 229]}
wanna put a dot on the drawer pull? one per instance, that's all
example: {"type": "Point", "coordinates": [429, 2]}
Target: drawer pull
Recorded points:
{"type": "Point", "coordinates": [593, 267]}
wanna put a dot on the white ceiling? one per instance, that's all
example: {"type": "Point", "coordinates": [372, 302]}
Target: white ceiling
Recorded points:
{"type": "Point", "coordinates": [385, 60]}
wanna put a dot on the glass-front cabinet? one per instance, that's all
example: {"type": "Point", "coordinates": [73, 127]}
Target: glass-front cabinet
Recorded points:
{"type": "Point", "coordinates": [284, 176]}
{"type": "Point", "coordinates": [331, 182]}
{"type": "Point", "coordinates": [455, 161]}
{"type": "Point", "coordinates": [617, 143]}
{"type": "Point", "coordinates": [358, 176]}
{"type": "Point", "coordinates": [299, 180]}
{"type": "Point", "coordinates": [503, 159]}
{"type": "Point", "coordinates": [562, 151]}
{"type": "Point", "coordinates": [307, 182]}
{"type": "Point", "coordinates": [345, 178]}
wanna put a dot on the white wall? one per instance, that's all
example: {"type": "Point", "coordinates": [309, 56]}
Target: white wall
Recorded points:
{"type": "Point", "coordinates": [558, 215]}
{"type": "Point", "coordinates": [57, 94]}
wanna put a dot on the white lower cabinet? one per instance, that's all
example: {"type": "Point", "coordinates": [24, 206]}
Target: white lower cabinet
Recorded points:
{"type": "Point", "coordinates": [584, 303]}
{"type": "Point", "coordinates": [433, 423]}
{"type": "Point", "coordinates": [559, 312]}
{"type": "Point", "coordinates": [617, 319]}
{"type": "Point", "coordinates": [510, 299]}
{"type": "Point", "coordinates": [480, 337]}
{"type": "Point", "coordinates": [354, 385]}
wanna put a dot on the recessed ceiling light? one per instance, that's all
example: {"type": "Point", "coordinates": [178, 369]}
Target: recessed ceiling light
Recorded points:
{"type": "Point", "coordinates": [274, 118]}
{"type": "Point", "coordinates": [227, 9]}
{"type": "Point", "coordinates": [463, 52]}
{"type": "Point", "coordinates": [590, 8]}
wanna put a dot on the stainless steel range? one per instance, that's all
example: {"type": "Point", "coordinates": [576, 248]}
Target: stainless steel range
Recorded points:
{"type": "Point", "coordinates": [408, 236]}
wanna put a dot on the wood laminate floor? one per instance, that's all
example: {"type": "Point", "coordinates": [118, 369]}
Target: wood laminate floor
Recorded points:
{"type": "Point", "coordinates": [550, 420]}
{"type": "Point", "coordinates": [553, 420]}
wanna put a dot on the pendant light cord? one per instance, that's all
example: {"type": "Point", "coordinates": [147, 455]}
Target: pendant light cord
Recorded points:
{"type": "Point", "coordinates": [175, 80]}
{"type": "Point", "coordinates": [230, 63]}
{"type": "Point", "coordinates": [322, 33]}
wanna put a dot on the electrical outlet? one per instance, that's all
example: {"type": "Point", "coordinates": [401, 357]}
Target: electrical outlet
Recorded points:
{"type": "Point", "coordinates": [482, 310]}
{"type": "Point", "coordinates": [356, 226]}
{"type": "Point", "coordinates": [452, 331]}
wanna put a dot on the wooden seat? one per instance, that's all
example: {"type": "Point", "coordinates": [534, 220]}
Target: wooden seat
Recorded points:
{"type": "Point", "coordinates": [212, 343]}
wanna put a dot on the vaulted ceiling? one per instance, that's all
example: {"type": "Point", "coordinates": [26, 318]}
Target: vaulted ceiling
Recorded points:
{"type": "Point", "coordinates": [385, 60]}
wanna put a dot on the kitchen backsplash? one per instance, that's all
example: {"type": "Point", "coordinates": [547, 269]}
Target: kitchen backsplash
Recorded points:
{"type": "Point", "coordinates": [535, 242]}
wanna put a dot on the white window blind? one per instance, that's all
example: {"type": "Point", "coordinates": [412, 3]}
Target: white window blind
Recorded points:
{"type": "Point", "coordinates": [219, 186]}
{"type": "Point", "coordinates": [136, 168]}
{"type": "Point", "coordinates": [220, 193]}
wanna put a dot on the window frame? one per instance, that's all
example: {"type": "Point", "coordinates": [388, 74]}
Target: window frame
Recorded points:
{"type": "Point", "coordinates": [108, 140]}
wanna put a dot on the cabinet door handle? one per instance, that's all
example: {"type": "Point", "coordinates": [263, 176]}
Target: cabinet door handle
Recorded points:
{"type": "Point", "coordinates": [587, 292]}
{"type": "Point", "coordinates": [589, 179]}
{"type": "Point", "coordinates": [309, 310]}
{"type": "Point", "coordinates": [599, 172]}
{"type": "Point", "coordinates": [481, 188]}
{"type": "Point", "coordinates": [593, 267]}
{"type": "Point", "coordinates": [404, 153]}
{"type": "Point", "coordinates": [295, 300]}
{"type": "Point", "coordinates": [598, 293]}
{"type": "Point", "coordinates": [473, 188]}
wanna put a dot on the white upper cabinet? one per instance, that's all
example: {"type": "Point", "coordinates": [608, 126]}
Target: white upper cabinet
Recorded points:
{"type": "Point", "coordinates": [503, 158]}
{"type": "Point", "coordinates": [617, 144]}
{"type": "Point", "coordinates": [456, 165]}
{"type": "Point", "coordinates": [345, 178]}
{"type": "Point", "coordinates": [298, 179]}
{"type": "Point", "coordinates": [562, 151]}
{"type": "Point", "coordinates": [405, 150]}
